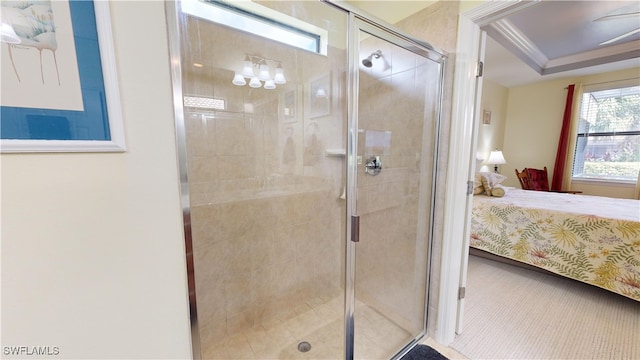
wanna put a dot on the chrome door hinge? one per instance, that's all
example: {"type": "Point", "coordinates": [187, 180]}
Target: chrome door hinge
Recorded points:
{"type": "Point", "coordinates": [479, 69]}
{"type": "Point", "coordinates": [469, 187]}
{"type": "Point", "coordinates": [355, 228]}
{"type": "Point", "coordinates": [461, 292]}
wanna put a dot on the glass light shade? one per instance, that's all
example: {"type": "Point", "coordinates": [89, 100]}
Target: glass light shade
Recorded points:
{"type": "Point", "coordinates": [8, 34]}
{"type": "Point", "coordinates": [255, 82]}
{"type": "Point", "coordinates": [496, 158]}
{"type": "Point", "coordinates": [269, 85]}
{"type": "Point", "coordinates": [264, 73]}
{"type": "Point", "coordinates": [247, 68]}
{"type": "Point", "coordinates": [279, 77]}
{"type": "Point", "coordinates": [321, 93]}
{"type": "Point", "coordinates": [239, 80]}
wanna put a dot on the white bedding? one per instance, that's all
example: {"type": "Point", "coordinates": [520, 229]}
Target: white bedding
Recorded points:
{"type": "Point", "coordinates": [612, 208]}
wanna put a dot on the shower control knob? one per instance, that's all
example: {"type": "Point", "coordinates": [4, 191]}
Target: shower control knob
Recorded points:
{"type": "Point", "coordinates": [373, 165]}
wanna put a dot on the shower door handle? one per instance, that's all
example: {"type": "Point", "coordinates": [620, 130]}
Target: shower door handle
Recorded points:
{"type": "Point", "coordinates": [373, 166]}
{"type": "Point", "coordinates": [355, 228]}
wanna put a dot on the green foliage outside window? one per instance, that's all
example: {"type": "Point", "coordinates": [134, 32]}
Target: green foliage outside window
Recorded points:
{"type": "Point", "coordinates": [608, 144]}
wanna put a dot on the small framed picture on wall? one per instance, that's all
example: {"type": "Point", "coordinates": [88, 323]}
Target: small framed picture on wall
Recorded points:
{"type": "Point", "coordinates": [486, 117]}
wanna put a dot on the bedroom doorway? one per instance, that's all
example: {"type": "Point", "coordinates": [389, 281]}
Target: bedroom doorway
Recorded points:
{"type": "Point", "coordinates": [466, 120]}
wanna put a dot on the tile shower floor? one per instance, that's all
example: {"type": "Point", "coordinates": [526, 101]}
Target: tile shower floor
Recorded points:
{"type": "Point", "coordinates": [319, 322]}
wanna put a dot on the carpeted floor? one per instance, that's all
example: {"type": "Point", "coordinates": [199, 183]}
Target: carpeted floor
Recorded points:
{"type": "Point", "coordinates": [423, 352]}
{"type": "Point", "coordinates": [515, 313]}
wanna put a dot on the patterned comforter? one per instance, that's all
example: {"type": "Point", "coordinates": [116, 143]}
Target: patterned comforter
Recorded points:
{"type": "Point", "coordinates": [592, 239]}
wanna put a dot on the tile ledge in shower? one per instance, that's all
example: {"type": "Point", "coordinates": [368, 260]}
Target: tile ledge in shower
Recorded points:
{"type": "Point", "coordinates": [335, 152]}
{"type": "Point", "coordinates": [257, 194]}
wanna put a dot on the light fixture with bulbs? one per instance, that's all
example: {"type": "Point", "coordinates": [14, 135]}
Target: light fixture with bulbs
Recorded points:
{"type": "Point", "coordinates": [257, 70]}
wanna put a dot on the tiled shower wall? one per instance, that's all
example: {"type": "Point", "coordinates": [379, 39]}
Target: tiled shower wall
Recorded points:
{"type": "Point", "coordinates": [438, 24]}
{"type": "Point", "coordinates": [241, 245]}
{"type": "Point", "coordinates": [266, 214]}
{"type": "Point", "coordinates": [258, 260]}
{"type": "Point", "coordinates": [396, 100]}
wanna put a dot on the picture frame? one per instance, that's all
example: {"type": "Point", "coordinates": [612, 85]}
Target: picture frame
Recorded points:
{"type": "Point", "coordinates": [97, 126]}
{"type": "Point", "coordinates": [486, 117]}
{"type": "Point", "coordinates": [320, 96]}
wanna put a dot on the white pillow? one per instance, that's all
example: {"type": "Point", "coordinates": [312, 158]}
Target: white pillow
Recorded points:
{"type": "Point", "coordinates": [492, 179]}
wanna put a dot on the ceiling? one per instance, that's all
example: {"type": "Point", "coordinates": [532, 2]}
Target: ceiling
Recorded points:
{"type": "Point", "coordinates": [548, 39]}
{"type": "Point", "coordinates": [555, 39]}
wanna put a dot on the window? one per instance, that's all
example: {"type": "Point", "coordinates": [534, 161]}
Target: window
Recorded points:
{"type": "Point", "coordinates": [204, 103]}
{"type": "Point", "coordinates": [260, 20]}
{"type": "Point", "coordinates": [608, 140]}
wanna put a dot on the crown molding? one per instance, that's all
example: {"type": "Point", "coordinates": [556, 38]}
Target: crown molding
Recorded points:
{"type": "Point", "coordinates": [603, 55]}
{"type": "Point", "coordinates": [518, 43]}
{"type": "Point", "coordinates": [490, 12]}
{"type": "Point", "coordinates": [509, 36]}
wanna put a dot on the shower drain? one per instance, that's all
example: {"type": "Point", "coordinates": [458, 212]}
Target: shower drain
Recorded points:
{"type": "Point", "coordinates": [304, 346]}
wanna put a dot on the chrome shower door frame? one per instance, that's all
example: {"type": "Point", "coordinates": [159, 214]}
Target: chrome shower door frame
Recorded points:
{"type": "Point", "coordinates": [358, 21]}
{"type": "Point", "coordinates": [361, 21]}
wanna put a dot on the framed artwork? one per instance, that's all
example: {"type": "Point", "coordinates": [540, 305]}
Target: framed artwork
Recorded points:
{"type": "Point", "coordinates": [320, 96]}
{"type": "Point", "coordinates": [59, 79]}
{"type": "Point", "coordinates": [486, 117]}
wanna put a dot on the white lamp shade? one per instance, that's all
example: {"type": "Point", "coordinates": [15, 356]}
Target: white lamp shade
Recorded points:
{"type": "Point", "coordinates": [279, 77]}
{"type": "Point", "coordinates": [8, 34]}
{"type": "Point", "coordinates": [321, 93]}
{"type": "Point", "coordinates": [496, 158]}
{"type": "Point", "coordinates": [255, 82]}
{"type": "Point", "coordinates": [239, 80]}
{"type": "Point", "coordinates": [247, 69]}
{"type": "Point", "coordinates": [264, 73]}
{"type": "Point", "coordinates": [269, 85]}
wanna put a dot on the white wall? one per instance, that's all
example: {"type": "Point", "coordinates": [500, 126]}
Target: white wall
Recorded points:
{"type": "Point", "coordinates": [534, 121]}
{"type": "Point", "coordinates": [92, 244]}
{"type": "Point", "coordinates": [491, 136]}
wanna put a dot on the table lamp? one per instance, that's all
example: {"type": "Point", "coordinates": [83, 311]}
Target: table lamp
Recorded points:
{"type": "Point", "coordinates": [496, 158]}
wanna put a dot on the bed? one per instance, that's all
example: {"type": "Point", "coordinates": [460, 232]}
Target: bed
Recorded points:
{"type": "Point", "coordinates": [592, 239]}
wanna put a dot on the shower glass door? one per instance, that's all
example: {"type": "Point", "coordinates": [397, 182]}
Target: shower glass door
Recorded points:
{"type": "Point", "coordinates": [260, 121]}
{"type": "Point", "coordinates": [276, 117]}
{"type": "Point", "coordinates": [398, 97]}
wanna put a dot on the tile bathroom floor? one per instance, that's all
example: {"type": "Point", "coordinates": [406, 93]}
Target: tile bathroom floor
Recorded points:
{"type": "Point", "coordinates": [319, 322]}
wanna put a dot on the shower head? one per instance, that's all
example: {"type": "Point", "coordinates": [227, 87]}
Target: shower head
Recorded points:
{"type": "Point", "coordinates": [367, 62]}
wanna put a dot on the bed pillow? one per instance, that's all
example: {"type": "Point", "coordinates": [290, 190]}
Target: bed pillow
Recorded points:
{"type": "Point", "coordinates": [486, 185]}
{"type": "Point", "coordinates": [477, 180]}
{"type": "Point", "coordinates": [498, 190]}
{"type": "Point", "coordinates": [490, 180]}
{"type": "Point", "coordinates": [477, 184]}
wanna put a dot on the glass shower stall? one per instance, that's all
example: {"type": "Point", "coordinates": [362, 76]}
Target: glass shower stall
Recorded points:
{"type": "Point", "coordinates": [307, 136]}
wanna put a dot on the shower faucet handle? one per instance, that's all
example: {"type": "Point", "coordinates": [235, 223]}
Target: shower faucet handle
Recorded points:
{"type": "Point", "coordinates": [373, 166]}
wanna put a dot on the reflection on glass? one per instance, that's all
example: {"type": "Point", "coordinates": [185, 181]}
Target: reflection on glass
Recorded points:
{"type": "Point", "coordinates": [266, 215]}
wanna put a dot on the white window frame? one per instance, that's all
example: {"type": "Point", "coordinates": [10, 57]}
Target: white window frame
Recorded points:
{"type": "Point", "coordinates": [251, 18]}
{"type": "Point", "coordinates": [591, 89]}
